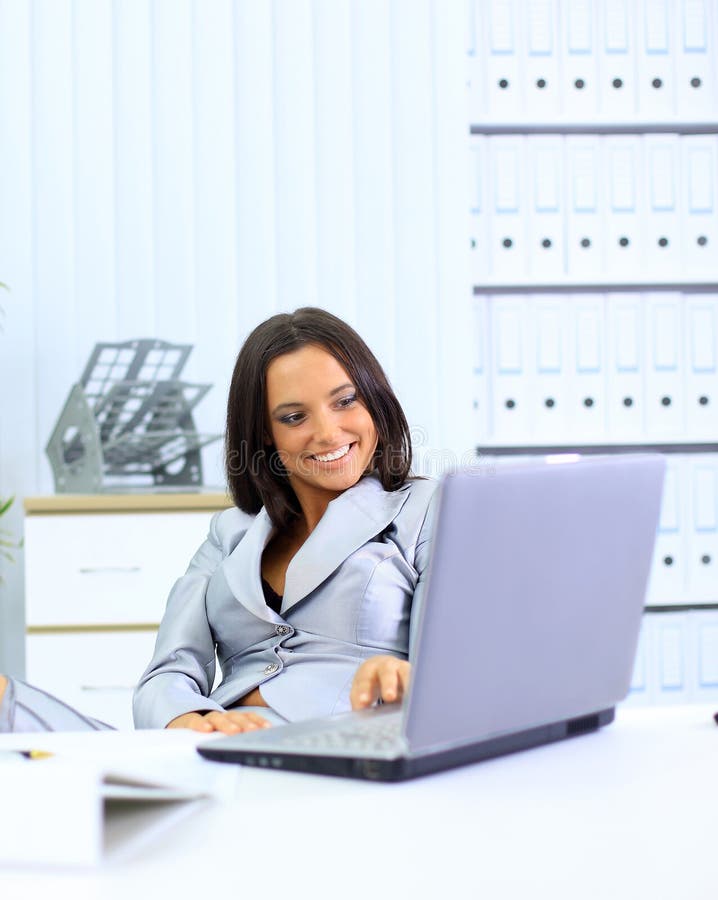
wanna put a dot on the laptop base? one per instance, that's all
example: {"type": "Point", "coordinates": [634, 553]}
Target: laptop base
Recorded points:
{"type": "Point", "coordinates": [405, 767]}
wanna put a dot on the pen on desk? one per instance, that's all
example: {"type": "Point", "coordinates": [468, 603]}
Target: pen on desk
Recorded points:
{"type": "Point", "coordinates": [26, 754]}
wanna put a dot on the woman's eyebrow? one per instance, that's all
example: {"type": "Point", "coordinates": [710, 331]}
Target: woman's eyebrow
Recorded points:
{"type": "Point", "coordinates": [291, 404]}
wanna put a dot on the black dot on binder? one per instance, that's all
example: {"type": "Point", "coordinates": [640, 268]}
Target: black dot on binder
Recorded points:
{"type": "Point", "coordinates": [585, 242]}
{"type": "Point", "coordinates": [665, 401]}
{"type": "Point", "coordinates": [473, 243]}
{"type": "Point", "coordinates": [662, 242]}
{"type": "Point", "coordinates": [657, 83]}
{"type": "Point", "coordinates": [617, 83]}
{"type": "Point", "coordinates": [507, 242]}
{"type": "Point", "coordinates": [588, 401]}
{"type": "Point", "coordinates": [695, 82]}
{"type": "Point", "coordinates": [628, 401]}
{"type": "Point", "coordinates": [503, 84]}
{"type": "Point", "coordinates": [541, 83]}
{"type": "Point", "coordinates": [705, 559]}
{"type": "Point", "coordinates": [510, 404]}
{"type": "Point", "coordinates": [546, 243]}
{"type": "Point", "coordinates": [667, 560]}
{"type": "Point", "coordinates": [703, 400]}
{"type": "Point", "coordinates": [702, 241]}
{"type": "Point", "coordinates": [550, 402]}
{"type": "Point", "coordinates": [624, 242]}
{"type": "Point", "coordinates": [579, 84]}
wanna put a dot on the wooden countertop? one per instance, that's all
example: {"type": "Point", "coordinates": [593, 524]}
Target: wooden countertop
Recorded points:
{"type": "Point", "coordinates": [58, 504]}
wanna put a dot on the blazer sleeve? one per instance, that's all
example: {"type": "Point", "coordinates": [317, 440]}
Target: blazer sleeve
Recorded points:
{"type": "Point", "coordinates": [181, 673]}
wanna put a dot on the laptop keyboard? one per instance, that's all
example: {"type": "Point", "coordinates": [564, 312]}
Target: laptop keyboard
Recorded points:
{"type": "Point", "coordinates": [377, 734]}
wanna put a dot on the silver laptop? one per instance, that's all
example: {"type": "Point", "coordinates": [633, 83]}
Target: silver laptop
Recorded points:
{"type": "Point", "coordinates": [528, 632]}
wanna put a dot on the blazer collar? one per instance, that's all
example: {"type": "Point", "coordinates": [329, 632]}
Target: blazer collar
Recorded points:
{"type": "Point", "coordinates": [350, 520]}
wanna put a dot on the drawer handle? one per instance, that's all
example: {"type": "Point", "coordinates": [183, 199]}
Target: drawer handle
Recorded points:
{"type": "Point", "coordinates": [115, 570]}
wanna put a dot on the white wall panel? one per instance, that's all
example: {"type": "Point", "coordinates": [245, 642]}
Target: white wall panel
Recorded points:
{"type": "Point", "coordinates": [182, 169]}
{"type": "Point", "coordinates": [255, 165]}
{"type": "Point", "coordinates": [374, 226]}
{"type": "Point", "coordinates": [295, 153]}
{"type": "Point", "coordinates": [134, 187]}
{"type": "Point", "coordinates": [19, 455]}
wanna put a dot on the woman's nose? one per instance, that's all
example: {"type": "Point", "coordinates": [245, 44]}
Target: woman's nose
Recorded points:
{"type": "Point", "coordinates": [326, 430]}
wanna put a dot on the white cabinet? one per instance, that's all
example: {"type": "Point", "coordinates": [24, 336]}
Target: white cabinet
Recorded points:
{"type": "Point", "coordinates": [98, 573]}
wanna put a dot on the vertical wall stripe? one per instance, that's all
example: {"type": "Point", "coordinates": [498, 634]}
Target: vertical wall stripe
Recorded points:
{"type": "Point", "coordinates": [295, 157]}
{"type": "Point", "coordinates": [255, 164]}
{"type": "Point", "coordinates": [374, 179]}
{"type": "Point", "coordinates": [18, 385]}
{"type": "Point", "coordinates": [134, 187]}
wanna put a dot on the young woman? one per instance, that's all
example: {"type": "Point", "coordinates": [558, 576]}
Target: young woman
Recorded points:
{"type": "Point", "coordinates": [306, 589]}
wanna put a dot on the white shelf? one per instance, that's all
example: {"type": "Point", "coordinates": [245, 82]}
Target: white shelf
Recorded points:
{"type": "Point", "coordinates": [566, 282]}
{"type": "Point", "coordinates": [590, 126]}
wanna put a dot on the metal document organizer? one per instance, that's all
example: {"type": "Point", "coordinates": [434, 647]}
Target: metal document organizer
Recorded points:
{"type": "Point", "coordinates": [127, 424]}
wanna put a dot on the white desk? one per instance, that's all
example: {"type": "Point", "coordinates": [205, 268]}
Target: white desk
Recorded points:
{"type": "Point", "coordinates": [630, 812]}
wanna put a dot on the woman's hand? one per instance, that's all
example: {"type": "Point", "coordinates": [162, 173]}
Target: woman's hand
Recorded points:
{"type": "Point", "coordinates": [380, 676]}
{"type": "Point", "coordinates": [230, 722]}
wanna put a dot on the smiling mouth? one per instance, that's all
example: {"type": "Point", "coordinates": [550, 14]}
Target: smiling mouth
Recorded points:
{"type": "Point", "coordinates": [334, 455]}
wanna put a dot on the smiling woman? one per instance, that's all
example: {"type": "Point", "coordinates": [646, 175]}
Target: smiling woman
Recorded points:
{"type": "Point", "coordinates": [306, 590]}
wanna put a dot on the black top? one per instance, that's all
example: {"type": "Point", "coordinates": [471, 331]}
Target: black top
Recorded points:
{"type": "Point", "coordinates": [271, 597]}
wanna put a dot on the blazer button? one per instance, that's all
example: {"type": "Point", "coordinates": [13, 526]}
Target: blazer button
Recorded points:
{"type": "Point", "coordinates": [282, 629]}
{"type": "Point", "coordinates": [272, 667]}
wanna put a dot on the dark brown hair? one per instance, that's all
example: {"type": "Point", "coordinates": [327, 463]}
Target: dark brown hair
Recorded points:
{"type": "Point", "coordinates": [255, 475]}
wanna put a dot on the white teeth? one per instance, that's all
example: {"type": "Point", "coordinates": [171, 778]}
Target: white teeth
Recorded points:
{"type": "Point", "coordinates": [337, 454]}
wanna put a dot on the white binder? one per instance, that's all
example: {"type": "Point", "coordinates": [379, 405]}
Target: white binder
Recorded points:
{"type": "Point", "coordinates": [664, 365]}
{"type": "Point", "coordinates": [699, 215]}
{"type": "Point", "coordinates": [700, 313]}
{"type": "Point", "coordinates": [499, 28]}
{"type": "Point", "coordinates": [640, 693]}
{"type": "Point", "coordinates": [701, 502]}
{"type": "Point", "coordinates": [624, 365]}
{"type": "Point", "coordinates": [478, 208]}
{"type": "Point", "coordinates": [704, 640]}
{"type": "Point", "coordinates": [549, 334]}
{"type": "Point", "coordinates": [671, 662]}
{"type": "Point", "coordinates": [621, 162]}
{"type": "Point", "coordinates": [580, 97]}
{"type": "Point", "coordinates": [475, 78]}
{"type": "Point", "coordinates": [587, 367]}
{"type": "Point", "coordinates": [480, 399]}
{"type": "Point", "coordinates": [510, 416]}
{"type": "Point", "coordinates": [667, 579]}
{"type": "Point", "coordinates": [508, 220]}
{"type": "Point", "coordinates": [584, 208]}
{"type": "Point", "coordinates": [541, 44]}
{"type": "Point", "coordinates": [545, 206]}
{"type": "Point", "coordinates": [656, 60]}
{"type": "Point", "coordinates": [696, 60]}
{"type": "Point", "coordinates": [660, 223]}
{"type": "Point", "coordinates": [617, 60]}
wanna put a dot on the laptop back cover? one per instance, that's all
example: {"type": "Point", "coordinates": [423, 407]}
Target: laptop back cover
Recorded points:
{"type": "Point", "coordinates": [535, 596]}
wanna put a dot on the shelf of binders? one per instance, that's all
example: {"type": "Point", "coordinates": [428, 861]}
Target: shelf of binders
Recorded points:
{"type": "Point", "coordinates": [594, 367]}
{"type": "Point", "coordinates": [559, 209]}
{"type": "Point", "coordinates": [645, 61]}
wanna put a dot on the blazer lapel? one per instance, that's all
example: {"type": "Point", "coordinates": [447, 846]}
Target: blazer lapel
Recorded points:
{"type": "Point", "coordinates": [242, 568]}
{"type": "Point", "coordinates": [352, 519]}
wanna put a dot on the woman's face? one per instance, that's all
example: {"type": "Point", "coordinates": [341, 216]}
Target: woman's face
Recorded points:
{"type": "Point", "coordinates": [322, 431]}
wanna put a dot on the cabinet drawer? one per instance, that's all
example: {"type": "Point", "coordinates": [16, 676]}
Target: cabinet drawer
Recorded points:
{"type": "Point", "coordinates": [106, 569]}
{"type": "Point", "coordinates": [94, 672]}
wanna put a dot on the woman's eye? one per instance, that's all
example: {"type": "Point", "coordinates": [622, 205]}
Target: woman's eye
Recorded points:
{"type": "Point", "coordinates": [292, 419]}
{"type": "Point", "coordinates": [347, 401]}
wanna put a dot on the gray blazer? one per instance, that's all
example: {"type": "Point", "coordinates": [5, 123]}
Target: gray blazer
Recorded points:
{"type": "Point", "coordinates": [349, 594]}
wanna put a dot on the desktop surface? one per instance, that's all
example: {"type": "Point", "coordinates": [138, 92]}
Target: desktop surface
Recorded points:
{"type": "Point", "coordinates": [628, 811]}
